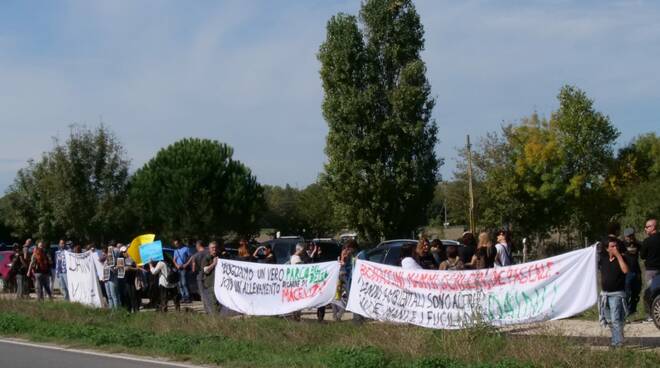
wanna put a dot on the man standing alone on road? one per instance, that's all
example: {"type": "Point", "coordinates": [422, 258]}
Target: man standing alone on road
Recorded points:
{"type": "Point", "coordinates": [60, 268]}
{"type": "Point", "coordinates": [612, 305]}
{"type": "Point", "coordinates": [182, 260]}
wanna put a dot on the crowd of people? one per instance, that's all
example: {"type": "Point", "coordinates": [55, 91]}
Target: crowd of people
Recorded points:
{"type": "Point", "coordinates": [125, 284]}
{"type": "Point", "coordinates": [469, 255]}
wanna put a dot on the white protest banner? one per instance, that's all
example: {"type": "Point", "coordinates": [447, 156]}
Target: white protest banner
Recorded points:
{"type": "Point", "coordinates": [551, 288]}
{"type": "Point", "coordinates": [267, 290]}
{"type": "Point", "coordinates": [82, 281]}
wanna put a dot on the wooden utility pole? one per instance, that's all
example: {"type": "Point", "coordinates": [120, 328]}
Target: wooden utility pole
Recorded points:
{"type": "Point", "coordinates": [471, 193]}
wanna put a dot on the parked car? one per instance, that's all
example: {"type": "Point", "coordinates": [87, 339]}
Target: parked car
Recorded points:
{"type": "Point", "coordinates": [652, 296]}
{"type": "Point", "coordinates": [389, 251]}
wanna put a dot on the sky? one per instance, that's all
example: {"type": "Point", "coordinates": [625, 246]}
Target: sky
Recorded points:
{"type": "Point", "coordinates": [245, 73]}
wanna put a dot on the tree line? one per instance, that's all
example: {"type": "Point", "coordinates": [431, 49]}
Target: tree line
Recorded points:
{"type": "Point", "coordinates": [560, 174]}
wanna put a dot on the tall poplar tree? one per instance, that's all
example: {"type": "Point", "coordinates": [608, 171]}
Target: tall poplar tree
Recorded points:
{"type": "Point", "coordinates": [382, 168]}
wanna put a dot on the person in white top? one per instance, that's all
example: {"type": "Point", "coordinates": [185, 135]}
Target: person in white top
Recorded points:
{"type": "Point", "coordinates": [296, 258]}
{"type": "Point", "coordinates": [503, 248]}
{"type": "Point", "coordinates": [407, 260]}
{"type": "Point", "coordinates": [167, 290]}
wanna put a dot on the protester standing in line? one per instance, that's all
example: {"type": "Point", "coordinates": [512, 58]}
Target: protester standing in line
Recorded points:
{"type": "Point", "coordinates": [650, 251]}
{"type": "Point", "coordinates": [438, 251]}
{"type": "Point", "coordinates": [108, 258]}
{"type": "Point", "coordinates": [484, 256]}
{"type": "Point", "coordinates": [209, 263]}
{"type": "Point", "coordinates": [453, 262]}
{"type": "Point", "coordinates": [197, 259]}
{"type": "Point", "coordinates": [40, 268]}
{"type": "Point", "coordinates": [424, 256]}
{"type": "Point", "coordinates": [466, 252]}
{"type": "Point", "coordinates": [19, 267]}
{"type": "Point", "coordinates": [244, 254]}
{"type": "Point", "coordinates": [612, 305]}
{"type": "Point", "coordinates": [298, 257]}
{"type": "Point", "coordinates": [182, 260]}
{"type": "Point", "coordinates": [131, 273]}
{"type": "Point", "coordinates": [503, 247]}
{"type": "Point", "coordinates": [166, 289]}
{"type": "Point", "coordinates": [634, 275]}
{"type": "Point", "coordinates": [346, 262]}
{"type": "Point", "coordinates": [408, 258]}
{"type": "Point", "coordinates": [60, 268]}
{"type": "Point", "coordinates": [264, 254]}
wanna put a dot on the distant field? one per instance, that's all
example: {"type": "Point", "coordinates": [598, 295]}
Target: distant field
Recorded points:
{"type": "Point", "coordinates": [276, 342]}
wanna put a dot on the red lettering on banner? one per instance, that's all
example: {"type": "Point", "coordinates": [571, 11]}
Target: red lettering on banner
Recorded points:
{"type": "Point", "coordinates": [383, 276]}
{"type": "Point", "coordinates": [300, 293]}
{"type": "Point", "coordinates": [460, 280]}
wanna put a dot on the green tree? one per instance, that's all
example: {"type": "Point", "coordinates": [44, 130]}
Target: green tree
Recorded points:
{"type": "Point", "coordinates": [194, 188]}
{"type": "Point", "coordinates": [282, 212]}
{"type": "Point", "coordinates": [316, 211]}
{"type": "Point", "coordinates": [587, 138]}
{"type": "Point", "coordinates": [76, 190]}
{"type": "Point", "coordinates": [636, 179]}
{"type": "Point", "coordinates": [381, 170]}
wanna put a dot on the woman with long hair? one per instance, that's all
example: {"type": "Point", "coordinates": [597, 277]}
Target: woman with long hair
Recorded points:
{"type": "Point", "coordinates": [423, 255]}
{"type": "Point", "coordinates": [244, 251]}
{"type": "Point", "coordinates": [484, 256]}
{"type": "Point", "coordinates": [40, 268]}
{"type": "Point", "coordinates": [408, 258]}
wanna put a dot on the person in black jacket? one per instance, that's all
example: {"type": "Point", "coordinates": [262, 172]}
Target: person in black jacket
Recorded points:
{"type": "Point", "coordinates": [650, 252]}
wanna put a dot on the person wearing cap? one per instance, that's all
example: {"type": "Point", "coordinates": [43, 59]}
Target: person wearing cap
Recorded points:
{"type": "Point", "coordinates": [60, 268]}
{"type": "Point", "coordinates": [634, 275]}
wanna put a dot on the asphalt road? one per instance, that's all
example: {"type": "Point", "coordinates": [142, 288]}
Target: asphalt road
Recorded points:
{"type": "Point", "coordinates": [26, 355]}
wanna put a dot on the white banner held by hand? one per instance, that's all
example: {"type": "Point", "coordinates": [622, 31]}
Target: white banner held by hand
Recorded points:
{"type": "Point", "coordinates": [267, 290]}
{"type": "Point", "coordinates": [82, 281]}
{"type": "Point", "coordinates": [551, 288]}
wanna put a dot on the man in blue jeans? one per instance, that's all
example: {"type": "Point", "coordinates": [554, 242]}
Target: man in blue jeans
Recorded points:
{"type": "Point", "coordinates": [182, 261]}
{"type": "Point", "coordinates": [60, 268]}
{"type": "Point", "coordinates": [612, 301]}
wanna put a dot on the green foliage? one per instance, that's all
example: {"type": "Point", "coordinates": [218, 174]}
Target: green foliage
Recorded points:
{"type": "Point", "coordinates": [381, 169]}
{"type": "Point", "coordinates": [194, 188]}
{"type": "Point", "coordinates": [78, 189]}
{"type": "Point", "coordinates": [307, 212]}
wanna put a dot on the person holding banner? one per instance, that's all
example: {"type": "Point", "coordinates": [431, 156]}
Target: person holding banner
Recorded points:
{"type": "Point", "coordinates": [407, 258]}
{"type": "Point", "coordinates": [60, 268]}
{"type": "Point", "coordinates": [612, 305]}
{"type": "Point", "coordinates": [210, 260]}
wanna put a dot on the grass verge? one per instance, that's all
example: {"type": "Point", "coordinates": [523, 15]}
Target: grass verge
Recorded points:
{"type": "Point", "coordinates": [274, 342]}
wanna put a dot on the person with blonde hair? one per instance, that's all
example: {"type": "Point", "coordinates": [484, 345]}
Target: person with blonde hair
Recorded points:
{"type": "Point", "coordinates": [484, 256]}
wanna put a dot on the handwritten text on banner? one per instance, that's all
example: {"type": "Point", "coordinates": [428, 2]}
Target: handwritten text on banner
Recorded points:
{"type": "Point", "coordinates": [267, 290]}
{"type": "Point", "coordinates": [551, 288]}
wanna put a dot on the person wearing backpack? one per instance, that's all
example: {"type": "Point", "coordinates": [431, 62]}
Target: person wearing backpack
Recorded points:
{"type": "Point", "coordinates": [168, 279]}
{"type": "Point", "coordinates": [40, 268]}
{"type": "Point", "coordinates": [503, 247]}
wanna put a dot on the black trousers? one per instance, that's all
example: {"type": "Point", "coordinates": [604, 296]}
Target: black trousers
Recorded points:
{"type": "Point", "coordinates": [165, 295]}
